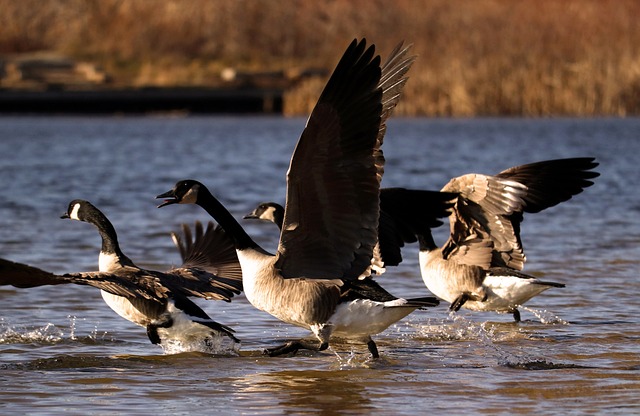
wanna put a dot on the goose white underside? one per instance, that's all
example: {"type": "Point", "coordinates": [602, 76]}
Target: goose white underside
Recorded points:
{"type": "Point", "coordinates": [362, 318]}
{"type": "Point", "coordinates": [185, 334]}
{"type": "Point", "coordinates": [504, 293]}
{"type": "Point", "coordinates": [123, 307]}
{"type": "Point", "coordinates": [359, 318]}
{"type": "Point", "coordinates": [254, 265]}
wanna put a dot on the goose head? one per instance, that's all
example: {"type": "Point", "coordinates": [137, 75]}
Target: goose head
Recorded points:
{"type": "Point", "coordinates": [184, 192]}
{"type": "Point", "coordinates": [267, 211]}
{"type": "Point", "coordinates": [79, 210]}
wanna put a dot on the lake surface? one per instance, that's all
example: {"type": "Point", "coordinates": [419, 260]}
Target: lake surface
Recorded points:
{"type": "Point", "coordinates": [62, 350]}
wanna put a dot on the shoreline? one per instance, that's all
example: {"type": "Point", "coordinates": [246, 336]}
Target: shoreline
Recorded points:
{"type": "Point", "coordinates": [143, 100]}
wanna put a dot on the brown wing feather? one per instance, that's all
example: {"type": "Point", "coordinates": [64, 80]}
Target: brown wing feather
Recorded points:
{"type": "Point", "coordinates": [551, 182]}
{"type": "Point", "coordinates": [209, 259]}
{"type": "Point", "coordinates": [494, 205]}
{"type": "Point", "coordinates": [128, 282]}
{"type": "Point", "coordinates": [486, 204]}
{"type": "Point", "coordinates": [331, 213]}
{"type": "Point", "coordinates": [392, 81]}
{"type": "Point", "coordinates": [125, 282]}
{"type": "Point", "coordinates": [24, 276]}
{"type": "Point", "coordinates": [472, 250]}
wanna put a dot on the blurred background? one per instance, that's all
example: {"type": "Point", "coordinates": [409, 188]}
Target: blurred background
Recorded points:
{"type": "Point", "coordinates": [475, 58]}
{"type": "Point", "coordinates": [497, 83]}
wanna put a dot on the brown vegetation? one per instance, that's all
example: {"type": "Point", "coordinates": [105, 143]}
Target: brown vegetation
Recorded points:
{"type": "Point", "coordinates": [484, 57]}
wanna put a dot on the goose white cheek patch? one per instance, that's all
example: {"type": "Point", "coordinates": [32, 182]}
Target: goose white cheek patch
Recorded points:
{"type": "Point", "coordinates": [268, 214]}
{"type": "Point", "coordinates": [74, 212]}
{"type": "Point", "coordinates": [191, 196]}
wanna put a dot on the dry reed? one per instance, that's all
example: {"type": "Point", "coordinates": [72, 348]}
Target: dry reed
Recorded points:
{"type": "Point", "coordinates": [484, 57]}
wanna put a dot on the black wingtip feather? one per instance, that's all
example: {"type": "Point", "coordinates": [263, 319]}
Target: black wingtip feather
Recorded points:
{"type": "Point", "coordinates": [551, 182]}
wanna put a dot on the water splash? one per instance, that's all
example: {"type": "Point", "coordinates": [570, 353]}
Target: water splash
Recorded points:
{"type": "Point", "coordinates": [545, 316]}
{"type": "Point", "coordinates": [353, 359]}
{"type": "Point", "coordinates": [72, 327]}
{"type": "Point", "coordinates": [95, 335]}
{"type": "Point", "coordinates": [457, 327]}
{"type": "Point", "coordinates": [216, 345]}
{"type": "Point", "coordinates": [492, 341]}
{"type": "Point", "coordinates": [20, 335]}
{"type": "Point", "coordinates": [346, 361]}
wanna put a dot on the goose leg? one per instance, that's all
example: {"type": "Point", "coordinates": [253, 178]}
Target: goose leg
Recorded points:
{"type": "Point", "coordinates": [294, 346]}
{"type": "Point", "coordinates": [516, 314]}
{"type": "Point", "coordinates": [152, 333]}
{"type": "Point", "coordinates": [458, 302]}
{"type": "Point", "coordinates": [165, 321]}
{"type": "Point", "coordinates": [373, 348]}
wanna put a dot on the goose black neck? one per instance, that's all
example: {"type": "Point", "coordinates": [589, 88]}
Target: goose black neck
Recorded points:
{"type": "Point", "coordinates": [229, 224]}
{"type": "Point", "coordinates": [427, 242]}
{"type": "Point", "coordinates": [107, 233]}
{"type": "Point", "coordinates": [278, 217]}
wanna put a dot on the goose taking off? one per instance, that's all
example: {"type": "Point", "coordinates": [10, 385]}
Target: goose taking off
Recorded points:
{"type": "Point", "coordinates": [479, 267]}
{"type": "Point", "coordinates": [331, 214]}
{"type": "Point", "coordinates": [160, 301]}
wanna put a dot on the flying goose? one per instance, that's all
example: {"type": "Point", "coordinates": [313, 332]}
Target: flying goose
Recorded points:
{"type": "Point", "coordinates": [479, 266]}
{"type": "Point", "coordinates": [331, 215]}
{"type": "Point", "coordinates": [159, 301]}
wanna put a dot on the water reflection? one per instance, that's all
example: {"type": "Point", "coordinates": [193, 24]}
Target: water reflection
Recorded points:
{"type": "Point", "coordinates": [310, 391]}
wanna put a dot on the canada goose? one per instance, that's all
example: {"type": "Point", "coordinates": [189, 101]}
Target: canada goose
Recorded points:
{"type": "Point", "coordinates": [344, 307]}
{"type": "Point", "coordinates": [479, 267]}
{"type": "Point", "coordinates": [155, 300]}
{"type": "Point", "coordinates": [331, 215]}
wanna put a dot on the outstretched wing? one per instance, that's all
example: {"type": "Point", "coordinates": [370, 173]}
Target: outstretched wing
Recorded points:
{"type": "Point", "coordinates": [208, 258]}
{"type": "Point", "coordinates": [405, 213]}
{"type": "Point", "coordinates": [23, 276]}
{"type": "Point", "coordinates": [494, 205]}
{"type": "Point", "coordinates": [392, 81]}
{"type": "Point", "coordinates": [331, 213]}
{"type": "Point", "coordinates": [129, 282]}
{"type": "Point", "coordinates": [551, 182]}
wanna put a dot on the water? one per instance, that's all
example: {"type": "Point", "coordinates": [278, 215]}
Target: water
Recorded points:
{"type": "Point", "coordinates": [63, 350]}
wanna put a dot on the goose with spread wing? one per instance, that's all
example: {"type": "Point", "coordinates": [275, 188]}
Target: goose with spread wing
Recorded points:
{"type": "Point", "coordinates": [155, 300]}
{"type": "Point", "coordinates": [331, 214]}
{"type": "Point", "coordinates": [480, 265]}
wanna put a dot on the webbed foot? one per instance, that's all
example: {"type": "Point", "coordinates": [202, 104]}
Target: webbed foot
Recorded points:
{"type": "Point", "coordinates": [294, 346]}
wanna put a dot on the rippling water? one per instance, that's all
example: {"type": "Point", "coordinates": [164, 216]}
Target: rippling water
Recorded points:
{"type": "Point", "coordinates": [63, 350]}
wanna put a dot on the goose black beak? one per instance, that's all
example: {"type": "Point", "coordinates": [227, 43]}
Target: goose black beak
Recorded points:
{"type": "Point", "coordinates": [250, 216]}
{"type": "Point", "coordinates": [65, 216]}
{"type": "Point", "coordinates": [170, 198]}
